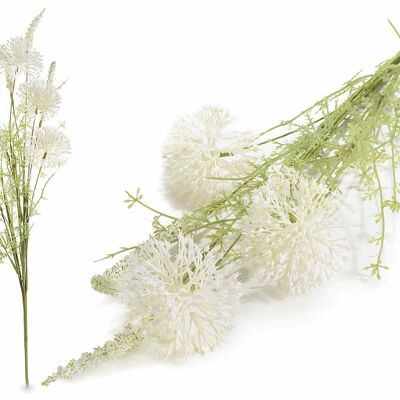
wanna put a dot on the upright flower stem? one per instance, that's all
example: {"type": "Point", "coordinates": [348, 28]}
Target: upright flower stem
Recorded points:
{"type": "Point", "coordinates": [24, 293]}
{"type": "Point", "coordinates": [23, 250]}
{"type": "Point", "coordinates": [24, 288]}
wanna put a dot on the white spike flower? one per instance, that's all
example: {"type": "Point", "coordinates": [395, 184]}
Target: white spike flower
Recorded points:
{"type": "Point", "coordinates": [33, 26]}
{"type": "Point", "coordinates": [192, 155]}
{"type": "Point", "coordinates": [48, 148]}
{"type": "Point", "coordinates": [176, 293]}
{"type": "Point", "coordinates": [40, 96]}
{"type": "Point", "coordinates": [290, 236]}
{"type": "Point", "coordinates": [17, 55]}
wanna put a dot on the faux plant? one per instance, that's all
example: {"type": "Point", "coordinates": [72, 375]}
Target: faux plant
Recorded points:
{"type": "Point", "coordinates": [259, 211]}
{"type": "Point", "coordinates": [31, 148]}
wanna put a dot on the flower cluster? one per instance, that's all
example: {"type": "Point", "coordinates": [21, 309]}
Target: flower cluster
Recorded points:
{"type": "Point", "coordinates": [45, 146]}
{"type": "Point", "coordinates": [251, 220]}
{"type": "Point", "coordinates": [184, 295]}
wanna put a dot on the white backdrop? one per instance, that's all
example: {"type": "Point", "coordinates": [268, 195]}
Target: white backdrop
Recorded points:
{"type": "Point", "coordinates": [134, 66]}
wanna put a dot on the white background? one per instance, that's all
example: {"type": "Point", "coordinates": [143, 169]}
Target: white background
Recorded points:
{"type": "Point", "coordinates": [134, 66]}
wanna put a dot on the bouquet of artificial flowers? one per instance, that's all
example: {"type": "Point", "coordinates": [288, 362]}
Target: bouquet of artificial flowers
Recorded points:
{"type": "Point", "coordinates": [259, 211]}
{"type": "Point", "coordinates": [32, 147]}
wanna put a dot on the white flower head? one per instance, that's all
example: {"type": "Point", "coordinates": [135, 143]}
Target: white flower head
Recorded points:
{"type": "Point", "coordinates": [192, 155]}
{"type": "Point", "coordinates": [40, 96]}
{"type": "Point", "coordinates": [180, 297]}
{"type": "Point", "coordinates": [48, 147]}
{"type": "Point", "coordinates": [291, 236]}
{"type": "Point", "coordinates": [17, 55]}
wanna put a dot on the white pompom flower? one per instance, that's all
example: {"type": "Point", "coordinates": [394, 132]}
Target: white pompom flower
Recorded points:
{"type": "Point", "coordinates": [291, 237]}
{"type": "Point", "coordinates": [48, 147]}
{"type": "Point", "coordinates": [176, 293]}
{"type": "Point", "coordinates": [192, 155]}
{"type": "Point", "coordinates": [17, 55]}
{"type": "Point", "coordinates": [40, 96]}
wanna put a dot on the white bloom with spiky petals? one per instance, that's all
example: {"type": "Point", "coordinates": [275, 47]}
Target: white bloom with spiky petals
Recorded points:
{"type": "Point", "coordinates": [48, 147]}
{"type": "Point", "coordinates": [176, 293]}
{"type": "Point", "coordinates": [291, 237]}
{"type": "Point", "coordinates": [192, 154]}
{"type": "Point", "coordinates": [17, 55]}
{"type": "Point", "coordinates": [40, 96]}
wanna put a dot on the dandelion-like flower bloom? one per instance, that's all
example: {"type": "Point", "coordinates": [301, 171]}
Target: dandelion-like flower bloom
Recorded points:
{"type": "Point", "coordinates": [40, 96]}
{"type": "Point", "coordinates": [291, 237]}
{"type": "Point", "coordinates": [17, 55]}
{"type": "Point", "coordinates": [48, 147]}
{"type": "Point", "coordinates": [177, 295]}
{"type": "Point", "coordinates": [192, 155]}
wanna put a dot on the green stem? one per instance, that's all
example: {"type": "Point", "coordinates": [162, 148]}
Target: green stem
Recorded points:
{"type": "Point", "coordinates": [393, 163]}
{"type": "Point", "coordinates": [155, 211]}
{"type": "Point", "coordinates": [312, 123]}
{"type": "Point", "coordinates": [351, 83]}
{"type": "Point", "coordinates": [207, 225]}
{"type": "Point", "coordinates": [229, 249]}
{"type": "Point", "coordinates": [383, 223]}
{"type": "Point", "coordinates": [24, 293]}
{"type": "Point", "coordinates": [112, 255]}
{"type": "Point", "coordinates": [132, 200]}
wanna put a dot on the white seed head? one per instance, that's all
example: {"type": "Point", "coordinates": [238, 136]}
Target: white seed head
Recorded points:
{"type": "Point", "coordinates": [17, 55]}
{"type": "Point", "coordinates": [40, 96]}
{"type": "Point", "coordinates": [179, 295]}
{"type": "Point", "coordinates": [290, 236]}
{"type": "Point", "coordinates": [192, 155]}
{"type": "Point", "coordinates": [48, 147]}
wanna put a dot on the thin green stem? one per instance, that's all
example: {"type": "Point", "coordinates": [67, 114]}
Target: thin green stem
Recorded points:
{"type": "Point", "coordinates": [132, 200]}
{"type": "Point", "coordinates": [229, 249]}
{"type": "Point", "coordinates": [112, 255]}
{"type": "Point", "coordinates": [207, 225]}
{"type": "Point", "coordinates": [378, 263]}
{"type": "Point", "coordinates": [25, 319]}
{"type": "Point", "coordinates": [352, 82]}
{"type": "Point", "coordinates": [394, 28]}
{"type": "Point", "coordinates": [312, 123]}
{"type": "Point", "coordinates": [393, 163]}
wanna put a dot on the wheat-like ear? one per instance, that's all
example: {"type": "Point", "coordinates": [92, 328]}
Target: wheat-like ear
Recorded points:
{"type": "Point", "coordinates": [50, 76]}
{"type": "Point", "coordinates": [122, 343]}
{"type": "Point", "coordinates": [33, 26]}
